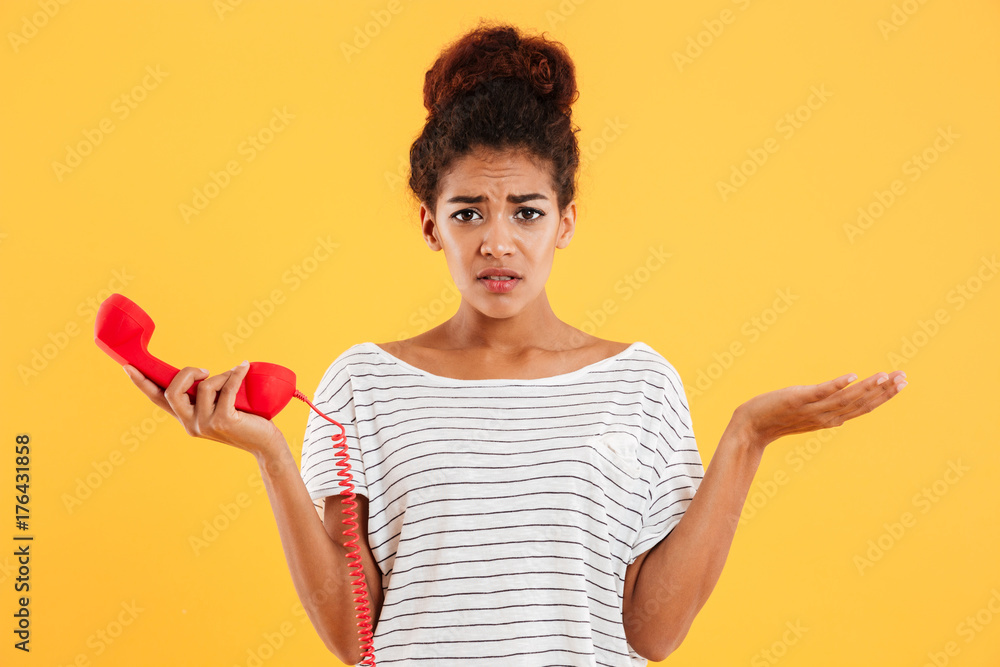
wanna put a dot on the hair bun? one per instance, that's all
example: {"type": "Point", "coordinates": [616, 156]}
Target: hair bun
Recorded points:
{"type": "Point", "coordinates": [495, 88]}
{"type": "Point", "coordinates": [495, 51]}
{"type": "Point", "coordinates": [540, 74]}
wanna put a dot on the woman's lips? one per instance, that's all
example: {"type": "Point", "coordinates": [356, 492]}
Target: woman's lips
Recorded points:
{"type": "Point", "coordinates": [499, 286]}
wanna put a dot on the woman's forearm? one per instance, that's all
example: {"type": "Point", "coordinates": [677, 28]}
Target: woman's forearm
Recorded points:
{"type": "Point", "coordinates": [319, 565]}
{"type": "Point", "coordinates": [679, 573]}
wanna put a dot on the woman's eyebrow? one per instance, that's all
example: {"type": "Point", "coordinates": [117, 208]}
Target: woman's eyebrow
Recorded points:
{"type": "Point", "coordinates": [513, 199]}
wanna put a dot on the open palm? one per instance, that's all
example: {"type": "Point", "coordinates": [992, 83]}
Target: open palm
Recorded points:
{"type": "Point", "coordinates": [802, 408]}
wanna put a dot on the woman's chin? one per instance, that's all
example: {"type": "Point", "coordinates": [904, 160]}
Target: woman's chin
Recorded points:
{"type": "Point", "coordinates": [495, 310]}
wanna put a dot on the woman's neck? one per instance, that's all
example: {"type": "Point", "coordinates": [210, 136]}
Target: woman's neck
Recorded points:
{"type": "Point", "coordinates": [533, 328]}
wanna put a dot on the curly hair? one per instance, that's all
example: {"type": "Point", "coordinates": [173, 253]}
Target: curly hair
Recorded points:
{"type": "Point", "coordinates": [499, 89]}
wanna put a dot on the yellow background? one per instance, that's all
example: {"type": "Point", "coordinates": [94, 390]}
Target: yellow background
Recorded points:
{"type": "Point", "coordinates": [661, 134]}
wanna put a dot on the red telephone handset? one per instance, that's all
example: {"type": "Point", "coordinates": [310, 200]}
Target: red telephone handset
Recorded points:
{"type": "Point", "coordinates": [123, 329]}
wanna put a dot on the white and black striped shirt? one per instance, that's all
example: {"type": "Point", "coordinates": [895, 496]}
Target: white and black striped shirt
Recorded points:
{"type": "Point", "coordinates": [503, 512]}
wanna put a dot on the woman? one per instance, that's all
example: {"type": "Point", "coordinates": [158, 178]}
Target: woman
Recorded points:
{"type": "Point", "coordinates": [526, 491]}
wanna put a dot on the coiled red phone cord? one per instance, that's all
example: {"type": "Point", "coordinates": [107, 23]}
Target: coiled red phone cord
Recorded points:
{"type": "Point", "coordinates": [357, 569]}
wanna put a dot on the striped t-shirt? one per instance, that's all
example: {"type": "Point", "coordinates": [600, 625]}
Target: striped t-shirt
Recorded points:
{"type": "Point", "coordinates": [503, 512]}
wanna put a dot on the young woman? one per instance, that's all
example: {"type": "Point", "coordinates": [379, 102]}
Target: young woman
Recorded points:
{"type": "Point", "coordinates": [526, 491]}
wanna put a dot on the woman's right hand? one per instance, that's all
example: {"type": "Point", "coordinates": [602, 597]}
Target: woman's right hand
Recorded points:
{"type": "Point", "coordinates": [213, 414]}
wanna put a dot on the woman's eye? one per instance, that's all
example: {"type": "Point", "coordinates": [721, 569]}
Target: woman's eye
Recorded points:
{"type": "Point", "coordinates": [463, 212]}
{"type": "Point", "coordinates": [533, 212]}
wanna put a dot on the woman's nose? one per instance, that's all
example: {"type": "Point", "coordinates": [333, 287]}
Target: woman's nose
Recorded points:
{"type": "Point", "coordinates": [498, 238]}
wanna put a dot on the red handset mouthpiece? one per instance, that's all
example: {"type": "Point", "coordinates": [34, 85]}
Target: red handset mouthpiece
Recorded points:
{"type": "Point", "coordinates": [123, 329]}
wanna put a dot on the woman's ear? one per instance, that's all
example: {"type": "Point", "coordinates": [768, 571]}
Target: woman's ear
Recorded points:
{"type": "Point", "coordinates": [567, 225]}
{"type": "Point", "coordinates": [429, 228]}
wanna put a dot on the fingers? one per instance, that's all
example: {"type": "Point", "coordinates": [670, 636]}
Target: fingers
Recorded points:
{"type": "Point", "coordinates": [864, 397]}
{"type": "Point", "coordinates": [217, 398]}
{"type": "Point", "coordinates": [227, 398]}
{"type": "Point", "coordinates": [148, 387]}
{"type": "Point", "coordinates": [212, 412]}
{"type": "Point", "coordinates": [211, 400]}
{"type": "Point", "coordinates": [177, 396]}
{"type": "Point", "coordinates": [878, 389]}
{"type": "Point", "coordinates": [824, 389]}
{"type": "Point", "coordinates": [204, 404]}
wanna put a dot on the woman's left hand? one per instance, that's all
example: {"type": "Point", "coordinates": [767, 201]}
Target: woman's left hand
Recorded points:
{"type": "Point", "coordinates": [803, 408]}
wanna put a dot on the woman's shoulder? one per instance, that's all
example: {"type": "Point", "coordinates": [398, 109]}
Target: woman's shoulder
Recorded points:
{"type": "Point", "coordinates": [348, 358]}
{"type": "Point", "coordinates": [611, 348]}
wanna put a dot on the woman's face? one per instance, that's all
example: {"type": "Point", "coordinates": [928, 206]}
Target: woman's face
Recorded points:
{"type": "Point", "coordinates": [498, 210]}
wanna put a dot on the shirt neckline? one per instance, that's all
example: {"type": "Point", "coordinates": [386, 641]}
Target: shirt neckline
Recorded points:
{"type": "Point", "coordinates": [494, 381]}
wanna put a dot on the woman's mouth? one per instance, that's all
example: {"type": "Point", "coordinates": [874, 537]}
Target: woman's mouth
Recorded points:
{"type": "Point", "coordinates": [499, 284]}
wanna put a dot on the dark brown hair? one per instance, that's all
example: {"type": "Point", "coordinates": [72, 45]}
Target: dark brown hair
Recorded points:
{"type": "Point", "coordinates": [499, 89]}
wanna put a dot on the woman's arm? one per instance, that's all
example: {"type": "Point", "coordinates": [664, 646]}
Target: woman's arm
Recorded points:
{"type": "Point", "coordinates": [317, 560]}
{"type": "Point", "coordinates": [674, 579]}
